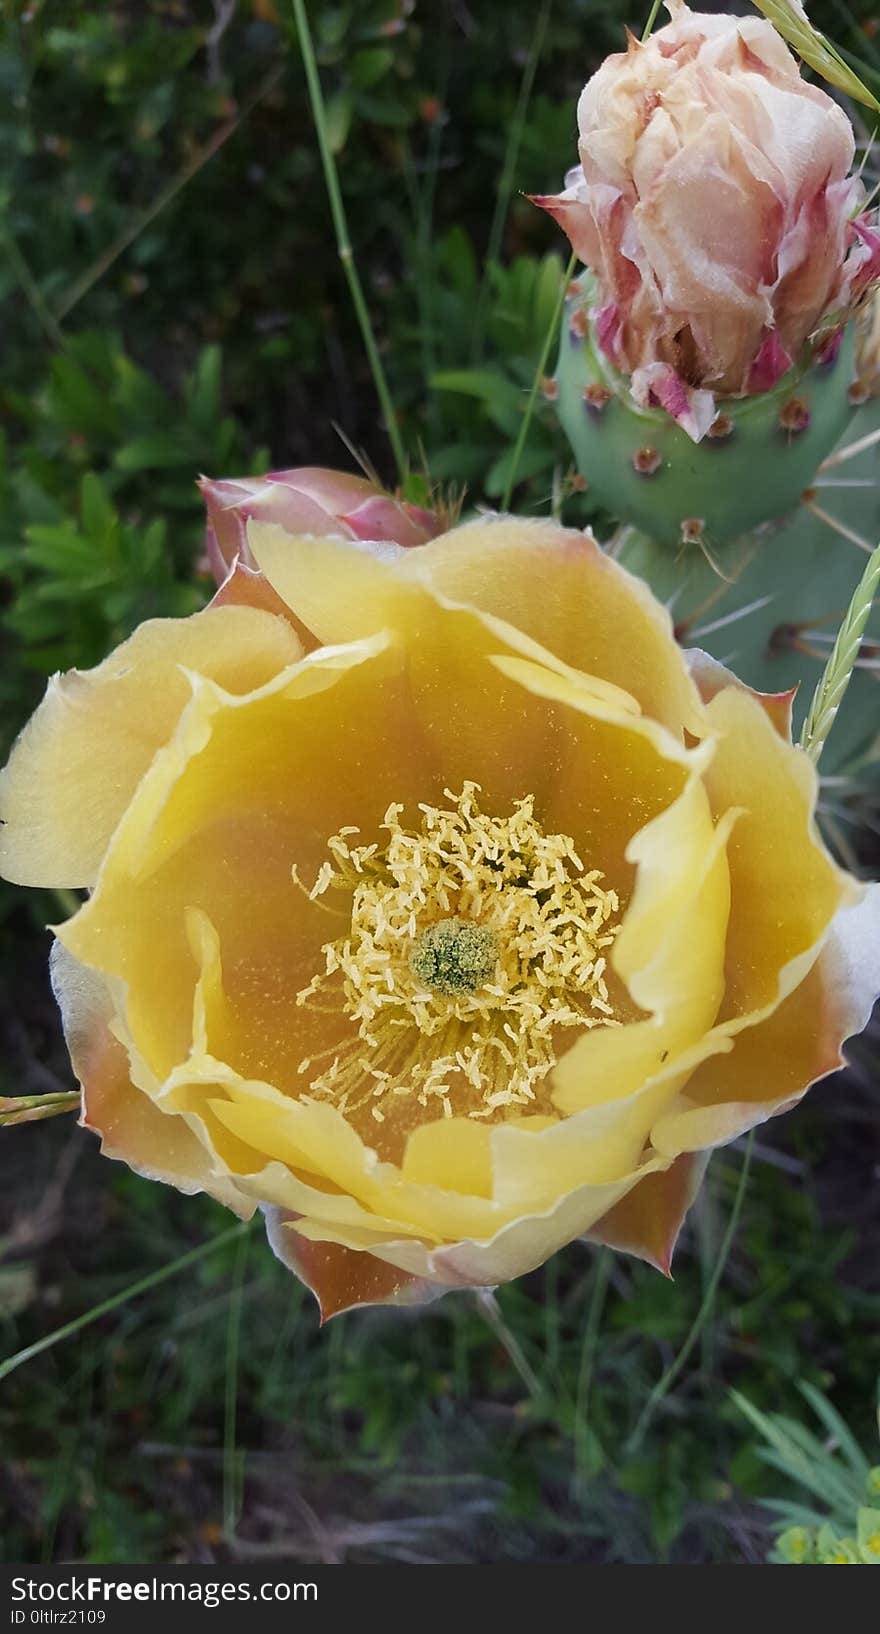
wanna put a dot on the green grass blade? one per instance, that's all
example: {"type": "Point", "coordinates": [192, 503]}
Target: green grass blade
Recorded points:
{"type": "Point", "coordinates": [601, 1275]}
{"type": "Point", "coordinates": [343, 239]}
{"type": "Point", "coordinates": [133, 1291]}
{"type": "Point", "coordinates": [540, 372]}
{"type": "Point", "coordinates": [797, 1454]}
{"type": "Point", "coordinates": [652, 18]}
{"type": "Point", "coordinates": [232, 1461]}
{"type": "Point", "coordinates": [16, 1109]}
{"type": "Point", "coordinates": [829, 694]}
{"type": "Point", "coordinates": [814, 49]}
{"type": "Point", "coordinates": [839, 1431]}
{"type": "Point", "coordinates": [508, 172]}
{"type": "Point", "coordinates": [31, 289]}
{"type": "Point", "coordinates": [666, 1381]}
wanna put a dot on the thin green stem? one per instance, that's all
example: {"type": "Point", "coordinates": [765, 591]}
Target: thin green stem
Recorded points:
{"type": "Point", "coordinates": [343, 241]}
{"type": "Point", "coordinates": [133, 1291]}
{"type": "Point", "coordinates": [32, 291]}
{"type": "Point", "coordinates": [816, 49]}
{"type": "Point", "coordinates": [829, 694]}
{"type": "Point", "coordinates": [668, 1377]}
{"type": "Point", "coordinates": [536, 384]}
{"type": "Point", "coordinates": [489, 1307]}
{"type": "Point", "coordinates": [508, 172]}
{"type": "Point", "coordinates": [652, 18]}
{"type": "Point", "coordinates": [106, 259]}
{"type": "Point", "coordinates": [232, 1462]}
{"type": "Point", "coordinates": [16, 1109]}
{"type": "Point", "coordinates": [585, 1370]}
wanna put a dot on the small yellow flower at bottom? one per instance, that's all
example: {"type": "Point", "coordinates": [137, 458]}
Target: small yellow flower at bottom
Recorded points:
{"type": "Point", "coordinates": [796, 1546]}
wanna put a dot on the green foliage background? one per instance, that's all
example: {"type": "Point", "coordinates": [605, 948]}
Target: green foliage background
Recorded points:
{"type": "Point", "coordinates": [172, 303]}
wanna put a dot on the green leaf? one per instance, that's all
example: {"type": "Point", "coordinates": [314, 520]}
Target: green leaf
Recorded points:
{"type": "Point", "coordinates": [461, 262]}
{"type": "Point", "coordinates": [203, 394]}
{"type": "Point", "coordinates": [530, 462]}
{"type": "Point", "coordinates": [869, 1536]}
{"type": "Point", "coordinates": [340, 108]}
{"type": "Point", "coordinates": [154, 452]}
{"type": "Point", "coordinates": [368, 67]}
{"type": "Point", "coordinates": [504, 402]}
{"type": "Point", "coordinates": [383, 110]}
{"type": "Point", "coordinates": [97, 514]}
{"type": "Point", "coordinates": [60, 551]}
{"type": "Point", "coordinates": [837, 1429]}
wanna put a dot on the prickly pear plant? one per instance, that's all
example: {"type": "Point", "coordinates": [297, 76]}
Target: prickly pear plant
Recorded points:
{"type": "Point", "coordinates": [757, 457]}
{"type": "Point", "coordinates": [762, 575]}
{"type": "Point", "coordinates": [755, 537]}
{"type": "Point", "coordinates": [769, 603]}
{"type": "Point", "coordinates": [716, 367]}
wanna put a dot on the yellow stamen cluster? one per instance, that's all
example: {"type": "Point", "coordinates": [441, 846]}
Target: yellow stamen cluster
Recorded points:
{"type": "Point", "coordinates": [472, 941]}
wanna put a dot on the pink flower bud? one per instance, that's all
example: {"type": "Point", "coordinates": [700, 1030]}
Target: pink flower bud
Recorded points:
{"type": "Point", "coordinates": [305, 500]}
{"type": "Point", "coordinates": [714, 205]}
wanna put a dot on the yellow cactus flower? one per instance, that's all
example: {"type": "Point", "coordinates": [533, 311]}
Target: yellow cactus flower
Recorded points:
{"type": "Point", "coordinates": [439, 905]}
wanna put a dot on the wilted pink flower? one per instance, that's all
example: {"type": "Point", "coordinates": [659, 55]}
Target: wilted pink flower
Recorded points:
{"type": "Point", "coordinates": [714, 205]}
{"type": "Point", "coordinates": [306, 500]}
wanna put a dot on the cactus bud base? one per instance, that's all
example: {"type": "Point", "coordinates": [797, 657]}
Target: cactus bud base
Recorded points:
{"type": "Point", "coordinates": [752, 467]}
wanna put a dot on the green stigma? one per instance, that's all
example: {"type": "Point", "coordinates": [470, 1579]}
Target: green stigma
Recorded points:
{"type": "Point", "coordinates": [454, 956]}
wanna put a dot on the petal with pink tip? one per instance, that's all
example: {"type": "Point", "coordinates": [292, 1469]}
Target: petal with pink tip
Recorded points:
{"type": "Point", "coordinates": [712, 677]}
{"type": "Point", "coordinates": [648, 1219]}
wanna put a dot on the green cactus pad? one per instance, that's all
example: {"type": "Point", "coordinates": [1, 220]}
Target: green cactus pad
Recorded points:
{"type": "Point", "coordinates": [646, 470]}
{"type": "Point", "coordinates": [770, 604]}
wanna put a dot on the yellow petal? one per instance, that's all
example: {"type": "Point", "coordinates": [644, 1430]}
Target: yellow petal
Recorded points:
{"type": "Point", "coordinates": [245, 788]}
{"type": "Point", "coordinates": [599, 618]}
{"type": "Point", "coordinates": [307, 574]}
{"type": "Point", "coordinates": [670, 953]}
{"type": "Point", "coordinates": [79, 760]}
{"type": "Point", "coordinates": [712, 677]}
{"type": "Point", "coordinates": [516, 1248]}
{"type": "Point", "coordinates": [785, 889]}
{"type": "Point", "coordinates": [773, 1063]}
{"type": "Point", "coordinates": [454, 1153]}
{"type": "Point", "coordinates": [557, 586]}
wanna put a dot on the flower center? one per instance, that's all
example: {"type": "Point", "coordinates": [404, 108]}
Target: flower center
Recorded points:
{"type": "Point", "coordinates": [454, 956]}
{"type": "Point", "coordinates": [471, 941]}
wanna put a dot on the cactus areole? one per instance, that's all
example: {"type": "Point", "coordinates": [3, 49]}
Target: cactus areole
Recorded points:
{"type": "Point", "coordinates": [754, 464]}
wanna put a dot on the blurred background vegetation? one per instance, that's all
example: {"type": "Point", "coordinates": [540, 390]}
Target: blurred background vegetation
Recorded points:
{"type": "Point", "coordinates": [173, 304]}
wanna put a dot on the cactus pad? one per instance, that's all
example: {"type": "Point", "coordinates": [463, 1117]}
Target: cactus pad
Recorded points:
{"type": "Point", "coordinates": [752, 466]}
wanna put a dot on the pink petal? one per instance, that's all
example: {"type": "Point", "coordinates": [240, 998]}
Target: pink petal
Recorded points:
{"type": "Point", "coordinates": [692, 408]}
{"type": "Point", "coordinates": [609, 329]}
{"type": "Point", "coordinates": [770, 364]}
{"type": "Point", "coordinates": [381, 517]}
